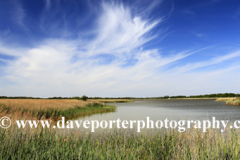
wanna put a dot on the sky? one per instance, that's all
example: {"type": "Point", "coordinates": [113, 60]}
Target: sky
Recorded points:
{"type": "Point", "coordinates": [102, 48]}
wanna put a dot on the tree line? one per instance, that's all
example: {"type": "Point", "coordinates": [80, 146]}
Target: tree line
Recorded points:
{"type": "Point", "coordinates": [84, 97]}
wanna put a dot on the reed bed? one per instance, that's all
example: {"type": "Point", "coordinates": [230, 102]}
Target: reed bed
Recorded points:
{"type": "Point", "coordinates": [226, 99]}
{"type": "Point", "coordinates": [235, 102]}
{"type": "Point", "coordinates": [230, 101]}
{"type": "Point", "coordinates": [167, 144]}
{"type": "Point", "coordinates": [45, 109]}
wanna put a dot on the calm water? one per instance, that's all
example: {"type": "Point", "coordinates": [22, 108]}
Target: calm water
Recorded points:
{"type": "Point", "coordinates": [171, 109]}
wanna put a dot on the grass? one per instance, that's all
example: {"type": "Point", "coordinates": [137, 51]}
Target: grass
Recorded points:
{"type": "Point", "coordinates": [235, 102]}
{"type": "Point", "coordinates": [54, 109]}
{"type": "Point", "coordinates": [230, 101]}
{"type": "Point", "coordinates": [225, 99]}
{"type": "Point", "coordinates": [167, 144]}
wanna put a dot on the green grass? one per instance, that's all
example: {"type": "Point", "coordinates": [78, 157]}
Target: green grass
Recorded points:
{"type": "Point", "coordinates": [46, 144]}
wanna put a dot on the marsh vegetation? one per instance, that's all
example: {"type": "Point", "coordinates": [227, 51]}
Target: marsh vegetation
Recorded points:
{"type": "Point", "coordinates": [167, 144]}
{"type": "Point", "coordinates": [51, 109]}
{"type": "Point", "coordinates": [230, 101]}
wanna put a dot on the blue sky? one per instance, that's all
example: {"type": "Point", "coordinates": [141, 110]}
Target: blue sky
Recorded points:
{"type": "Point", "coordinates": [119, 48]}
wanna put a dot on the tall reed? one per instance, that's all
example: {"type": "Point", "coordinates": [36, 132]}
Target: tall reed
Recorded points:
{"type": "Point", "coordinates": [52, 108]}
{"type": "Point", "coordinates": [167, 144]}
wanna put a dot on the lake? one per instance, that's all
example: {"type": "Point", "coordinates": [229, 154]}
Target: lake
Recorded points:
{"type": "Point", "coordinates": [162, 109]}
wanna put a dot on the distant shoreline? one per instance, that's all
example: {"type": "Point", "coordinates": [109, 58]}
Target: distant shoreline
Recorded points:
{"type": "Point", "coordinates": [221, 99]}
{"type": "Point", "coordinates": [173, 98]}
{"type": "Point", "coordinates": [84, 97]}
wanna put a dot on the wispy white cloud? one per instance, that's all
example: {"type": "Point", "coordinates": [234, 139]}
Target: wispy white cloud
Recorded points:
{"type": "Point", "coordinates": [10, 50]}
{"type": "Point", "coordinates": [186, 11]}
{"type": "Point", "coordinates": [119, 32]}
{"type": "Point", "coordinates": [215, 60]}
{"type": "Point", "coordinates": [19, 13]}
{"type": "Point", "coordinates": [6, 32]}
{"type": "Point", "coordinates": [199, 35]}
{"type": "Point", "coordinates": [47, 4]}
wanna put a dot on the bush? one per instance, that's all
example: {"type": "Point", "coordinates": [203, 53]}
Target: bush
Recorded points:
{"type": "Point", "coordinates": [84, 98]}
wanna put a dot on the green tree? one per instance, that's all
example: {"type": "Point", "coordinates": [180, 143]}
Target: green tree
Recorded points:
{"type": "Point", "coordinates": [84, 97]}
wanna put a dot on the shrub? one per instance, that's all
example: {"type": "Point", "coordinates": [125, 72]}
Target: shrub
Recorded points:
{"type": "Point", "coordinates": [84, 98]}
